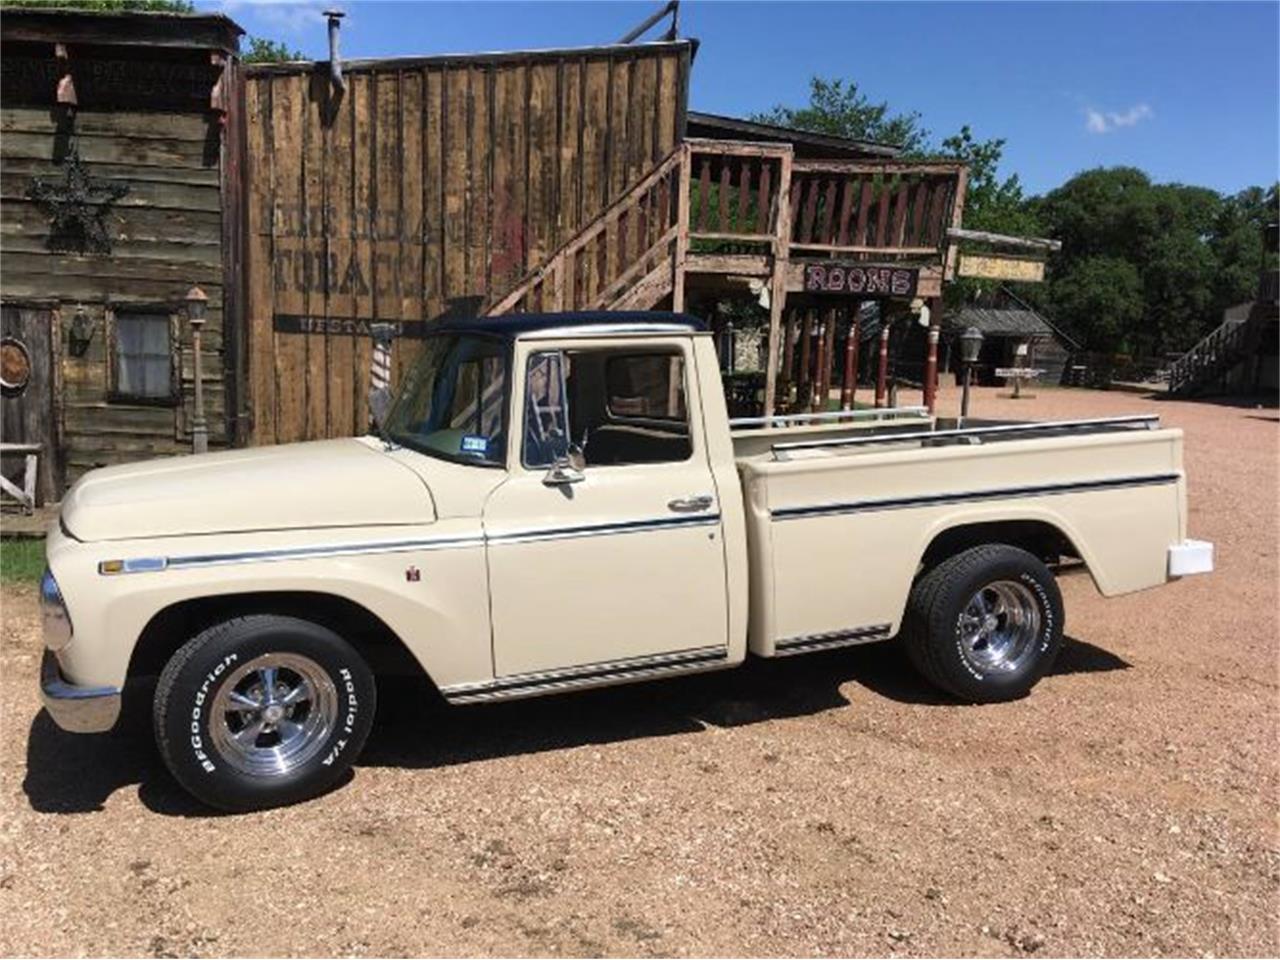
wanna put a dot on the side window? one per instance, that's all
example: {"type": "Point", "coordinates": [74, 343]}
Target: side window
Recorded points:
{"type": "Point", "coordinates": [142, 358]}
{"type": "Point", "coordinates": [647, 386]}
{"type": "Point", "coordinates": [643, 415]}
{"type": "Point", "coordinates": [546, 424]}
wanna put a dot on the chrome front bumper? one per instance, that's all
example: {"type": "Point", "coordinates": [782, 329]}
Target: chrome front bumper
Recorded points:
{"type": "Point", "coordinates": [73, 708]}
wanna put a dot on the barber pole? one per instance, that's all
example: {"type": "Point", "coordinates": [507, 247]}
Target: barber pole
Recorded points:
{"type": "Point", "coordinates": [380, 364]}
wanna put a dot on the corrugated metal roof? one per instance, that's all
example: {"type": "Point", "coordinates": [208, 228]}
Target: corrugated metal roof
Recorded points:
{"type": "Point", "coordinates": [1001, 323]}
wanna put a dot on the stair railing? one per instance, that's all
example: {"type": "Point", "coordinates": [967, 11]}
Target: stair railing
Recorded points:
{"type": "Point", "coordinates": [1215, 354]}
{"type": "Point", "coordinates": [626, 242]}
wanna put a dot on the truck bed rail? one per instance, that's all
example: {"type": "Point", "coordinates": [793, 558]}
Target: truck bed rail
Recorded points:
{"type": "Point", "coordinates": [789, 419]}
{"type": "Point", "coordinates": [979, 434]}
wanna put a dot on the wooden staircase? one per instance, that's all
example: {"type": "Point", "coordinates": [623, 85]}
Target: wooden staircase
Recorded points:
{"type": "Point", "coordinates": [1206, 364]}
{"type": "Point", "coordinates": [622, 260]}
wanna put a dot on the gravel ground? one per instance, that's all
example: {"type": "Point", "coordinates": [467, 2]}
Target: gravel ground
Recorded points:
{"type": "Point", "coordinates": [829, 804]}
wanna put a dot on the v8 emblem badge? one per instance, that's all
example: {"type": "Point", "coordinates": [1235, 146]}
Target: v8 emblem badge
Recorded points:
{"type": "Point", "coordinates": [412, 574]}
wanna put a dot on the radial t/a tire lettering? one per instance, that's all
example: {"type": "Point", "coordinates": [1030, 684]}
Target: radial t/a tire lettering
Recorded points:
{"type": "Point", "coordinates": [263, 710]}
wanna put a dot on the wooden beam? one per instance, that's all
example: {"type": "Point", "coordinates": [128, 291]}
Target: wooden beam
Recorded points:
{"type": "Point", "coordinates": [1043, 244]}
{"type": "Point", "coordinates": [682, 231]}
{"type": "Point", "coordinates": [747, 265]}
{"type": "Point", "coordinates": [778, 281]}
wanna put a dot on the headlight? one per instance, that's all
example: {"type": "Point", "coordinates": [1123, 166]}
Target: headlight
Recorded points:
{"type": "Point", "coordinates": [57, 622]}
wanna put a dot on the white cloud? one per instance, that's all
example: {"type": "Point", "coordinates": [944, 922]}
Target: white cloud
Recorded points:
{"type": "Point", "coordinates": [296, 17]}
{"type": "Point", "coordinates": [1104, 121]}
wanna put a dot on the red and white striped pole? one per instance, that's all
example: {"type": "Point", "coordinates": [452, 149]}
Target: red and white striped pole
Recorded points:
{"type": "Point", "coordinates": [380, 369]}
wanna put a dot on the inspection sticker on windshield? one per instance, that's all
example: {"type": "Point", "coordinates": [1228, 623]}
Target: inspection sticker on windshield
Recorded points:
{"type": "Point", "coordinates": [476, 445]}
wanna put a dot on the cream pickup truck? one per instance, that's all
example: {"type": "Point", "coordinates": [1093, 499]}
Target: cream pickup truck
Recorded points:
{"type": "Point", "coordinates": [560, 501]}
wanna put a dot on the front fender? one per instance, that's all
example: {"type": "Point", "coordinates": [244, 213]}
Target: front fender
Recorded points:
{"type": "Point", "coordinates": [426, 583]}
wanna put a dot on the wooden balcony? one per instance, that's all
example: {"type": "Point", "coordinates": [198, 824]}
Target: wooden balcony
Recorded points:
{"type": "Point", "coordinates": [720, 213]}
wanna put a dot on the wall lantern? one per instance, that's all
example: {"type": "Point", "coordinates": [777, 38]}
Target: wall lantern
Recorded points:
{"type": "Point", "coordinates": [197, 302]}
{"type": "Point", "coordinates": [81, 333]}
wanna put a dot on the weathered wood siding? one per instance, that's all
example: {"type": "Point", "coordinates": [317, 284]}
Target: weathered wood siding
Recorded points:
{"type": "Point", "coordinates": [429, 187]}
{"type": "Point", "coordinates": [166, 234]}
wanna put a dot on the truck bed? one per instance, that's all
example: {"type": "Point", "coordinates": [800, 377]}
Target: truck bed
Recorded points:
{"type": "Point", "coordinates": [839, 519]}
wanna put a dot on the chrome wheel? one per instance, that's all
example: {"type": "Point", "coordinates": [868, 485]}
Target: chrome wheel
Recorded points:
{"type": "Point", "coordinates": [273, 714]}
{"type": "Point", "coordinates": [999, 627]}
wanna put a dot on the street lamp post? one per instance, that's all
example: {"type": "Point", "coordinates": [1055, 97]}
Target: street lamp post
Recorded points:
{"type": "Point", "coordinates": [197, 302]}
{"type": "Point", "coordinates": [970, 348]}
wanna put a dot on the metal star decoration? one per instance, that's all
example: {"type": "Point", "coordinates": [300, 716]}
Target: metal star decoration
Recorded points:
{"type": "Point", "coordinates": [77, 204]}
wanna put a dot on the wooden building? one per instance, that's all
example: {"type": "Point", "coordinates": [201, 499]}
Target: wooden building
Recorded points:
{"type": "Point", "coordinates": [117, 166]}
{"type": "Point", "coordinates": [427, 187]}
{"type": "Point", "coordinates": [313, 201]}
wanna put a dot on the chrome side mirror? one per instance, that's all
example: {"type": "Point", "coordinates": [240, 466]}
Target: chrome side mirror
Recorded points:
{"type": "Point", "coordinates": [570, 468]}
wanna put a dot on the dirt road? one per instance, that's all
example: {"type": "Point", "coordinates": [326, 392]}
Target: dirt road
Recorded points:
{"type": "Point", "coordinates": [830, 804]}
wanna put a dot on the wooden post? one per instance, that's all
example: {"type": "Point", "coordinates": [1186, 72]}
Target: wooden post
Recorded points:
{"type": "Point", "coordinates": [682, 230]}
{"type": "Point", "coordinates": [819, 364]}
{"type": "Point", "coordinates": [849, 386]}
{"type": "Point", "coordinates": [829, 362]}
{"type": "Point", "coordinates": [789, 359]}
{"type": "Point", "coordinates": [778, 281]}
{"type": "Point", "coordinates": [931, 355]}
{"type": "Point", "coordinates": [804, 378]}
{"type": "Point", "coordinates": [882, 374]}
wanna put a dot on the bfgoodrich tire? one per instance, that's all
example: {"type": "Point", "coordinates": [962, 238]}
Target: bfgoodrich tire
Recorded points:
{"type": "Point", "coordinates": [261, 711]}
{"type": "Point", "coordinates": [986, 624]}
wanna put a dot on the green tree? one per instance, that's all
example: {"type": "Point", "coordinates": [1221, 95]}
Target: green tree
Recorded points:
{"type": "Point", "coordinates": [1100, 299]}
{"type": "Point", "coordinates": [1193, 251]}
{"type": "Point", "coordinates": [838, 108]}
{"type": "Point", "coordinates": [261, 50]}
{"type": "Point", "coordinates": [105, 6]}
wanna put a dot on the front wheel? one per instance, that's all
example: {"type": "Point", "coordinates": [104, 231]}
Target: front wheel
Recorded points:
{"type": "Point", "coordinates": [262, 710]}
{"type": "Point", "coordinates": [986, 624]}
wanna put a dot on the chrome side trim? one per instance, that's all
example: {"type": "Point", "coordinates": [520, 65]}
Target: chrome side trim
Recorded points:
{"type": "Point", "coordinates": [330, 550]}
{"type": "Point", "coordinates": [605, 529]}
{"type": "Point", "coordinates": [969, 496]}
{"type": "Point", "coordinates": [813, 642]}
{"type": "Point", "coordinates": [154, 564]}
{"type": "Point", "coordinates": [73, 708]}
{"type": "Point", "coordinates": [530, 684]}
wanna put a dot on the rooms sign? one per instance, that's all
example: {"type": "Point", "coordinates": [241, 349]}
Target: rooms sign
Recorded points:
{"type": "Point", "coordinates": [862, 279]}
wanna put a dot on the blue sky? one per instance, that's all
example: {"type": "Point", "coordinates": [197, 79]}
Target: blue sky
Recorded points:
{"type": "Point", "coordinates": [1189, 92]}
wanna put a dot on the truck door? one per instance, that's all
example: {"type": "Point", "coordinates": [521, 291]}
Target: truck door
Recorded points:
{"type": "Point", "coordinates": [618, 566]}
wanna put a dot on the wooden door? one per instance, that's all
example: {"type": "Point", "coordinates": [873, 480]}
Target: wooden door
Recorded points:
{"type": "Point", "coordinates": [27, 407]}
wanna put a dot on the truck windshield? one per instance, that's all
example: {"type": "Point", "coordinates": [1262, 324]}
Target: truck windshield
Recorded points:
{"type": "Point", "coordinates": [453, 404]}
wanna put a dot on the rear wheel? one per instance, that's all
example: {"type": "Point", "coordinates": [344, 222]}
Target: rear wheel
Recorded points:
{"type": "Point", "coordinates": [986, 624]}
{"type": "Point", "coordinates": [262, 710]}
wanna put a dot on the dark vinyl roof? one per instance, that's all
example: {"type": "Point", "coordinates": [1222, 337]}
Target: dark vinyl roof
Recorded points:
{"type": "Point", "coordinates": [807, 144]}
{"type": "Point", "coordinates": [1026, 324]}
{"type": "Point", "coordinates": [517, 324]}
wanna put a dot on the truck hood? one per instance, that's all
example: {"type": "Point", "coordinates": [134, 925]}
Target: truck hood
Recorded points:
{"type": "Point", "coordinates": [326, 483]}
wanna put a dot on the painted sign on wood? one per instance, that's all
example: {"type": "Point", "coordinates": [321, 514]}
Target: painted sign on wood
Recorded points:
{"type": "Point", "coordinates": [863, 279]}
{"type": "Point", "coordinates": [346, 326]}
{"type": "Point", "coordinates": [991, 267]}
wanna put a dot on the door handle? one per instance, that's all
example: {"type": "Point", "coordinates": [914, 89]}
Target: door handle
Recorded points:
{"type": "Point", "coordinates": [691, 504]}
